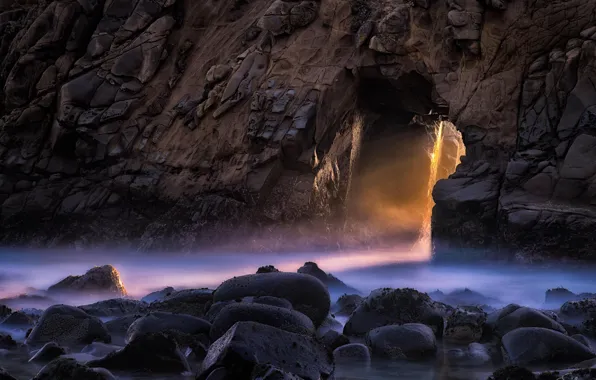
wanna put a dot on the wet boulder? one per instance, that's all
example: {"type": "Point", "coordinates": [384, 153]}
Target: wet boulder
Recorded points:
{"type": "Point", "coordinates": [465, 325]}
{"type": "Point", "coordinates": [118, 327]}
{"type": "Point", "coordinates": [514, 316]}
{"type": "Point", "coordinates": [18, 319]}
{"type": "Point", "coordinates": [346, 304]}
{"type": "Point", "coordinates": [152, 352]}
{"type": "Point", "coordinates": [411, 341]}
{"type": "Point", "coordinates": [331, 282]}
{"type": "Point", "coordinates": [353, 353]}
{"type": "Point", "coordinates": [186, 330]}
{"type": "Point", "coordinates": [388, 306]}
{"type": "Point", "coordinates": [249, 344]}
{"type": "Point", "coordinates": [537, 345]}
{"type": "Point", "coordinates": [69, 369]}
{"type": "Point", "coordinates": [307, 294]}
{"type": "Point", "coordinates": [158, 295]}
{"type": "Point", "coordinates": [116, 307]}
{"type": "Point", "coordinates": [67, 325]}
{"type": "Point", "coordinates": [333, 340]}
{"type": "Point", "coordinates": [585, 308]}
{"type": "Point", "coordinates": [194, 302]}
{"type": "Point", "coordinates": [97, 280]}
{"type": "Point", "coordinates": [475, 355]}
{"type": "Point", "coordinates": [47, 353]}
{"type": "Point", "coordinates": [288, 320]}
{"type": "Point", "coordinates": [7, 342]}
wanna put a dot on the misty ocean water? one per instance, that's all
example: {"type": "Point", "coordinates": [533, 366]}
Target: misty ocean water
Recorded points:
{"type": "Point", "coordinates": [31, 272]}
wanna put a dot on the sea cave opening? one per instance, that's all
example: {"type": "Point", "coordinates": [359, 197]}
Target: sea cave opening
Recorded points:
{"type": "Point", "coordinates": [407, 146]}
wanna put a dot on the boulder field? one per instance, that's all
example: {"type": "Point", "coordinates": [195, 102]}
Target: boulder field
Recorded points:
{"type": "Point", "coordinates": [278, 325]}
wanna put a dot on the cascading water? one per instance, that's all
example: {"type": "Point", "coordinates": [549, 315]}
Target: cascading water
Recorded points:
{"type": "Point", "coordinates": [445, 154]}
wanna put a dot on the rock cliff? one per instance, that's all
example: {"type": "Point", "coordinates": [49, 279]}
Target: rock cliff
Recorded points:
{"type": "Point", "coordinates": [171, 123]}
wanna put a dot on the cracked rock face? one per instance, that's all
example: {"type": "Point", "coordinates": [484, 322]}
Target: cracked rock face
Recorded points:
{"type": "Point", "coordinates": [172, 124]}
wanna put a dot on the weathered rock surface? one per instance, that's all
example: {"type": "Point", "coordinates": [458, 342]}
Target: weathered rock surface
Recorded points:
{"type": "Point", "coordinates": [307, 294]}
{"type": "Point", "coordinates": [188, 301]}
{"type": "Point", "coordinates": [346, 304]}
{"type": "Point", "coordinates": [537, 345]}
{"type": "Point", "coordinates": [248, 344]}
{"type": "Point", "coordinates": [394, 306]}
{"type": "Point", "coordinates": [514, 316]}
{"type": "Point", "coordinates": [104, 279]}
{"type": "Point", "coordinates": [411, 341]}
{"type": "Point", "coordinates": [465, 325]}
{"type": "Point", "coordinates": [67, 325]}
{"type": "Point", "coordinates": [167, 322]}
{"type": "Point", "coordinates": [158, 295]}
{"type": "Point", "coordinates": [288, 320]}
{"type": "Point", "coordinates": [218, 129]}
{"type": "Point", "coordinates": [18, 319]}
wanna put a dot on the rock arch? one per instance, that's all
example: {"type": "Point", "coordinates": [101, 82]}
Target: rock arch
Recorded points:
{"type": "Point", "coordinates": [220, 113]}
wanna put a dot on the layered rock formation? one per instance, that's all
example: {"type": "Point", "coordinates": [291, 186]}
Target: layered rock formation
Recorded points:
{"type": "Point", "coordinates": [165, 123]}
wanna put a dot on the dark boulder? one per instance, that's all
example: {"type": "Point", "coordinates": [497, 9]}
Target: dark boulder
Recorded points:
{"type": "Point", "coordinates": [350, 354]}
{"type": "Point", "coordinates": [585, 308]}
{"type": "Point", "coordinates": [116, 307]}
{"type": "Point", "coordinates": [67, 325]}
{"type": "Point", "coordinates": [4, 375]}
{"type": "Point", "coordinates": [411, 341]}
{"type": "Point", "coordinates": [388, 306]}
{"type": "Point", "coordinates": [288, 320]}
{"type": "Point", "coordinates": [18, 319]}
{"type": "Point", "coordinates": [333, 340]}
{"type": "Point", "coordinates": [269, 372]}
{"type": "Point", "coordinates": [465, 325]}
{"type": "Point", "coordinates": [249, 344]}
{"type": "Point", "coordinates": [193, 302]}
{"type": "Point", "coordinates": [69, 369]}
{"type": "Point", "coordinates": [7, 342]}
{"type": "Point", "coordinates": [152, 352]}
{"type": "Point", "coordinates": [158, 295]}
{"type": "Point", "coordinates": [333, 283]}
{"type": "Point", "coordinates": [97, 280]}
{"type": "Point", "coordinates": [307, 294]}
{"type": "Point", "coordinates": [514, 316]}
{"type": "Point", "coordinates": [167, 322]}
{"type": "Point", "coordinates": [118, 327]}
{"type": "Point", "coordinates": [512, 373]}
{"type": "Point", "coordinates": [536, 345]}
{"type": "Point", "coordinates": [346, 304]}
{"type": "Point", "coordinates": [265, 300]}
{"type": "Point", "coordinates": [329, 324]}
{"type": "Point", "coordinates": [47, 353]}
{"type": "Point", "coordinates": [5, 311]}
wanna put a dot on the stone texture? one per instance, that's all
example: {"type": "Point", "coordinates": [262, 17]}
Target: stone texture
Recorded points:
{"type": "Point", "coordinates": [90, 92]}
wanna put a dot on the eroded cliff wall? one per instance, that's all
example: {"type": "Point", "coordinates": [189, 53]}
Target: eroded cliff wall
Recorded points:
{"type": "Point", "coordinates": [172, 123]}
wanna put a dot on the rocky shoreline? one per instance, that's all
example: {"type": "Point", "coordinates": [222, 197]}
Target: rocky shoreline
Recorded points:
{"type": "Point", "coordinates": [283, 325]}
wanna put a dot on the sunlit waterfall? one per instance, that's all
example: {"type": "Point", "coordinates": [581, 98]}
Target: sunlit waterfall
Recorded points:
{"type": "Point", "coordinates": [445, 154]}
